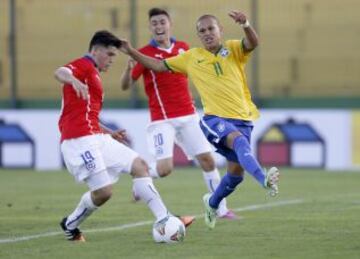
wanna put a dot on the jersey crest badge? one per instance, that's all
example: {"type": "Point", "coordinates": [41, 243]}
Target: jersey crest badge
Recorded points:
{"type": "Point", "coordinates": [221, 127]}
{"type": "Point", "coordinates": [224, 52]}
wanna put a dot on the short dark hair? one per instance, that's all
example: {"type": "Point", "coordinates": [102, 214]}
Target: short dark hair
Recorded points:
{"type": "Point", "coordinates": [157, 11]}
{"type": "Point", "coordinates": [105, 38]}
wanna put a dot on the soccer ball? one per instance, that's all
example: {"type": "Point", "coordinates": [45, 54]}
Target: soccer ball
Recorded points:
{"type": "Point", "coordinates": [169, 230]}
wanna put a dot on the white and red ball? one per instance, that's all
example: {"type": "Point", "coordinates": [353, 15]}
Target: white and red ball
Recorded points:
{"type": "Point", "coordinates": [169, 230]}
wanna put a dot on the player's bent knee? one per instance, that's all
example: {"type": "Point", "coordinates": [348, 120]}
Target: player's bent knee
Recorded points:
{"type": "Point", "coordinates": [165, 171]}
{"type": "Point", "coordinates": [102, 195]}
{"type": "Point", "coordinates": [139, 168]}
{"type": "Point", "coordinates": [165, 166]}
{"type": "Point", "coordinates": [206, 162]}
{"type": "Point", "coordinates": [235, 169]}
{"type": "Point", "coordinates": [231, 138]}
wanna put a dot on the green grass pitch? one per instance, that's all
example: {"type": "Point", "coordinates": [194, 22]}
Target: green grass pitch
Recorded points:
{"type": "Point", "coordinates": [316, 215]}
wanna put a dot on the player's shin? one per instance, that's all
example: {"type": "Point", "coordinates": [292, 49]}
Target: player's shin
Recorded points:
{"type": "Point", "coordinates": [242, 149]}
{"type": "Point", "coordinates": [147, 192]}
{"type": "Point", "coordinates": [226, 187]}
{"type": "Point", "coordinates": [83, 210]}
{"type": "Point", "coordinates": [212, 181]}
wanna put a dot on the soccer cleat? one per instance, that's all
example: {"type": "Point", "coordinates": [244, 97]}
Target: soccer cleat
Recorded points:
{"type": "Point", "coordinates": [187, 220]}
{"type": "Point", "coordinates": [229, 215]}
{"type": "Point", "coordinates": [73, 234]}
{"type": "Point", "coordinates": [271, 181]}
{"type": "Point", "coordinates": [210, 213]}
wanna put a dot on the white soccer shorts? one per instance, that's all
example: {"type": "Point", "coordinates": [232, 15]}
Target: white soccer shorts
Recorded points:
{"type": "Point", "coordinates": [184, 131]}
{"type": "Point", "coordinates": [97, 159]}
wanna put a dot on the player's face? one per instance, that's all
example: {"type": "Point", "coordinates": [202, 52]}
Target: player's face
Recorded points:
{"type": "Point", "coordinates": [209, 32]}
{"type": "Point", "coordinates": [104, 57]}
{"type": "Point", "coordinates": [159, 26]}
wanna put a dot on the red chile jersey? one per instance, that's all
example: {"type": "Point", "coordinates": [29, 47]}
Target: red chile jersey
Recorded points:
{"type": "Point", "coordinates": [168, 92]}
{"type": "Point", "coordinates": [80, 117]}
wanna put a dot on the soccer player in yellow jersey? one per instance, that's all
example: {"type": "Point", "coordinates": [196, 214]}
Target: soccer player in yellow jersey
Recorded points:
{"type": "Point", "coordinates": [217, 71]}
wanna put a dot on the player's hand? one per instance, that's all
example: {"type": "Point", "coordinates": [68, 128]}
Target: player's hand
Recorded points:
{"type": "Point", "coordinates": [120, 135]}
{"type": "Point", "coordinates": [125, 47]}
{"type": "Point", "coordinates": [81, 89]}
{"type": "Point", "coordinates": [130, 64]}
{"type": "Point", "coordinates": [239, 17]}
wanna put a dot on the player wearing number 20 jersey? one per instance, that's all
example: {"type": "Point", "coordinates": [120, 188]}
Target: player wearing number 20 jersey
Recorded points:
{"type": "Point", "coordinates": [173, 116]}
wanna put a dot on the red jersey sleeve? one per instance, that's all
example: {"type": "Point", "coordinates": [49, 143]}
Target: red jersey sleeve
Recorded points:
{"type": "Point", "coordinates": [186, 46]}
{"type": "Point", "coordinates": [137, 71]}
{"type": "Point", "coordinates": [78, 72]}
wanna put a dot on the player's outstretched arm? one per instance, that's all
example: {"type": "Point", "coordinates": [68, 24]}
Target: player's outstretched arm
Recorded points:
{"type": "Point", "coordinates": [126, 81]}
{"type": "Point", "coordinates": [64, 75]}
{"type": "Point", "coordinates": [146, 61]}
{"type": "Point", "coordinates": [251, 41]}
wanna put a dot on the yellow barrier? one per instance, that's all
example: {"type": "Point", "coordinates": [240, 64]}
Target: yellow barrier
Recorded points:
{"type": "Point", "coordinates": [304, 50]}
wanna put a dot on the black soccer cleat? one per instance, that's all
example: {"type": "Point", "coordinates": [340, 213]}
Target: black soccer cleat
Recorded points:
{"type": "Point", "coordinates": [71, 234]}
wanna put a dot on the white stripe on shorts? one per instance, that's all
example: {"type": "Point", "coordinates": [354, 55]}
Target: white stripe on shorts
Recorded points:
{"type": "Point", "coordinates": [217, 138]}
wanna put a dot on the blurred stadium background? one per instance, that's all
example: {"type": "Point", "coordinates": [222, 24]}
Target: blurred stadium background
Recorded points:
{"type": "Point", "coordinates": [309, 49]}
{"type": "Point", "coordinates": [308, 59]}
{"type": "Point", "coordinates": [304, 77]}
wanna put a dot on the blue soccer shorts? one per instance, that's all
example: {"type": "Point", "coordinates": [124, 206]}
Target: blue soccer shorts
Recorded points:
{"type": "Point", "coordinates": [217, 128]}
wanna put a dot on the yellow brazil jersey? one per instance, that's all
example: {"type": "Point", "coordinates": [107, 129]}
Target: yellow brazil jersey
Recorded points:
{"type": "Point", "coordinates": [219, 78]}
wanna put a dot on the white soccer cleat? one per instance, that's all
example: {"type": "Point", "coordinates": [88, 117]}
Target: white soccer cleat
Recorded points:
{"type": "Point", "coordinates": [210, 213]}
{"type": "Point", "coordinates": [272, 180]}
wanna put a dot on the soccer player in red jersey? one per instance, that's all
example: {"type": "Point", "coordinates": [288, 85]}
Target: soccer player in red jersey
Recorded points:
{"type": "Point", "coordinates": [173, 115]}
{"type": "Point", "coordinates": [91, 153]}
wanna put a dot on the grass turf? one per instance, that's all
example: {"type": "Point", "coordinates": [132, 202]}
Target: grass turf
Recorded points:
{"type": "Point", "coordinates": [320, 221]}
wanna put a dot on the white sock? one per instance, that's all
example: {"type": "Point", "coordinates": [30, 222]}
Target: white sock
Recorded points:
{"type": "Point", "coordinates": [83, 210]}
{"type": "Point", "coordinates": [212, 180]}
{"type": "Point", "coordinates": [146, 190]}
{"type": "Point", "coordinates": [153, 171]}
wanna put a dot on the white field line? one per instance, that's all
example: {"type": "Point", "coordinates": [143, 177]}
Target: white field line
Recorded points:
{"type": "Point", "coordinates": [143, 223]}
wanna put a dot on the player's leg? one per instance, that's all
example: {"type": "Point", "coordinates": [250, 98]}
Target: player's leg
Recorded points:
{"type": "Point", "coordinates": [211, 177]}
{"type": "Point", "coordinates": [232, 138]}
{"type": "Point", "coordinates": [228, 183]}
{"type": "Point", "coordinates": [233, 177]}
{"type": "Point", "coordinates": [89, 202]}
{"type": "Point", "coordinates": [238, 142]}
{"type": "Point", "coordinates": [84, 161]}
{"type": "Point", "coordinates": [160, 139]}
{"type": "Point", "coordinates": [194, 143]}
{"type": "Point", "coordinates": [122, 159]}
{"type": "Point", "coordinates": [164, 166]}
{"type": "Point", "coordinates": [145, 189]}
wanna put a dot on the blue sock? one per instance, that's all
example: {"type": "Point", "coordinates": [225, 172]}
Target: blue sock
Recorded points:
{"type": "Point", "coordinates": [227, 185]}
{"type": "Point", "coordinates": [241, 147]}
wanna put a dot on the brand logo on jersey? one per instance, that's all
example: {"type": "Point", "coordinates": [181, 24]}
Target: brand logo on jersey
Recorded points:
{"type": "Point", "coordinates": [224, 52]}
{"type": "Point", "coordinates": [221, 127]}
{"type": "Point", "coordinates": [181, 51]}
{"type": "Point", "coordinates": [200, 61]}
{"type": "Point", "coordinates": [159, 56]}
